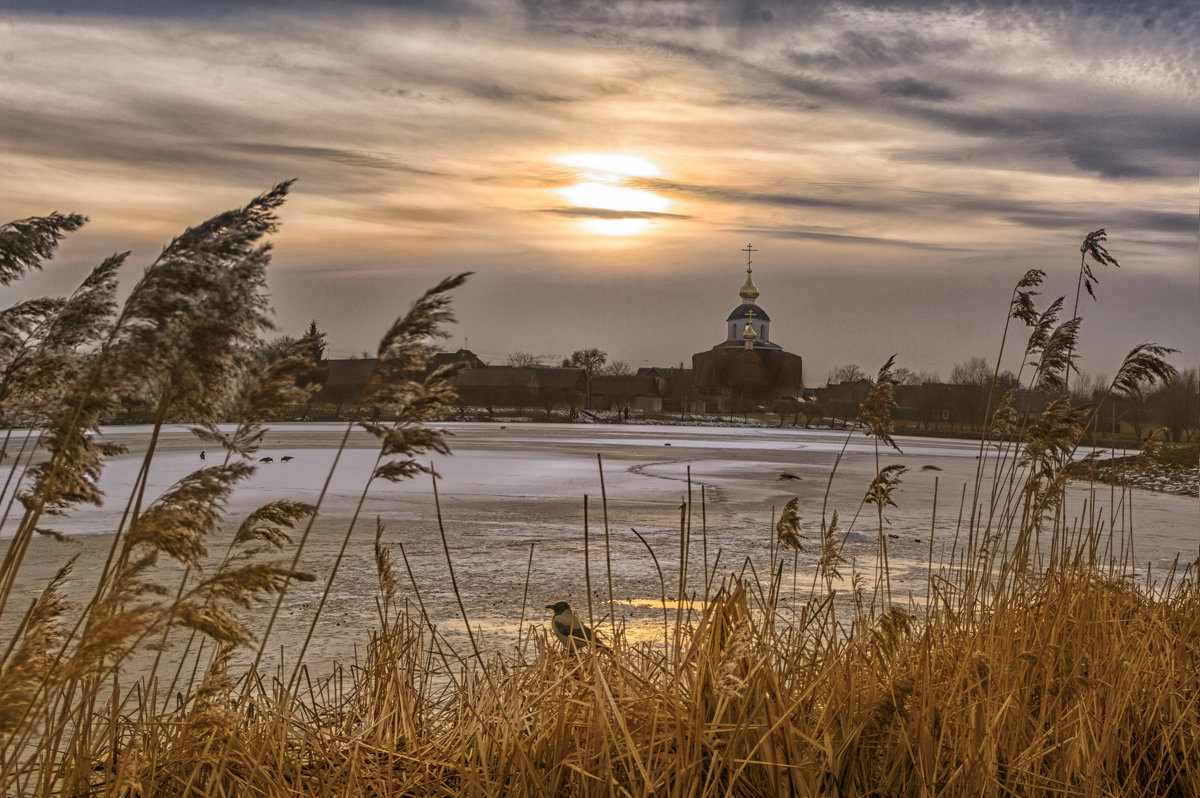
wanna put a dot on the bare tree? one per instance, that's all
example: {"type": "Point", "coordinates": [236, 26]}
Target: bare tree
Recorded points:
{"type": "Point", "coordinates": [618, 368]}
{"type": "Point", "coordinates": [1088, 388]}
{"type": "Point", "coordinates": [272, 348]}
{"type": "Point", "coordinates": [812, 411]}
{"type": "Point", "coordinates": [338, 395]}
{"type": "Point", "coordinates": [970, 399]}
{"type": "Point", "coordinates": [1178, 406]}
{"type": "Point", "coordinates": [850, 372]}
{"type": "Point", "coordinates": [523, 360]}
{"type": "Point", "coordinates": [551, 399]}
{"type": "Point", "coordinates": [975, 371]}
{"type": "Point", "coordinates": [590, 360]}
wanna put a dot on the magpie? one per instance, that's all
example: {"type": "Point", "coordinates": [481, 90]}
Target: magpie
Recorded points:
{"type": "Point", "coordinates": [569, 629]}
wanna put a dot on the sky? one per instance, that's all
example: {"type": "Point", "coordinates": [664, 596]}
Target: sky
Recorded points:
{"type": "Point", "coordinates": [600, 166]}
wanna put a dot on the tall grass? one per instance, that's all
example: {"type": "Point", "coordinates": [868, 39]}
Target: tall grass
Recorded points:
{"type": "Point", "coordinates": [1038, 664]}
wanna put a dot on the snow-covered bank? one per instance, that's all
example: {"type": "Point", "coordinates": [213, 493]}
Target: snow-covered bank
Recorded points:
{"type": "Point", "coordinates": [1175, 471]}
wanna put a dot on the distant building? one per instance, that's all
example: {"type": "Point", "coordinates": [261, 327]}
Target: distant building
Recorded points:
{"type": "Point", "coordinates": [747, 369]}
{"type": "Point", "coordinates": [675, 385]}
{"type": "Point", "coordinates": [544, 387]}
{"type": "Point", "coordinates": [345, 381]}
{"type": "Point", "coordinates": [641, 392]}
{"type": "Point", "coordinates": [465, 356]}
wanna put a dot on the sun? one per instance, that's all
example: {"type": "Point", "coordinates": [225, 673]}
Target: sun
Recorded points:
{"type": "Point", "coordinates": [611, 163]}
{"type": "Point", "coordinates": [615, 208]}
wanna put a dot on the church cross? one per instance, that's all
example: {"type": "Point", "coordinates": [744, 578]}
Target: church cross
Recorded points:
{"type": "Point", "coordinates": [748, 249]}
{"type": "Point", "coordinates": [750, 313]}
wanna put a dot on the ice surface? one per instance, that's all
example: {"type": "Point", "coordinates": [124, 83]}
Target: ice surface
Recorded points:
{"type": "Point", "coordinates": [511, 489]}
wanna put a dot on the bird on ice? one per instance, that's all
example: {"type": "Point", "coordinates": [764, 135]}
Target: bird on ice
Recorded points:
{"type": "Point", "coordinates": [286, 458]}
{"type": "Point", "coordinates": [266, 460]}
{"type": "Point", "coordinates": [569, 629]}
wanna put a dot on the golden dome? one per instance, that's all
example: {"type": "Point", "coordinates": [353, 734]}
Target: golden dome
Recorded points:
{"type": "Point", "coordinates": [748, 291]}
{"type": "Point", "coordinates": [749, 334]}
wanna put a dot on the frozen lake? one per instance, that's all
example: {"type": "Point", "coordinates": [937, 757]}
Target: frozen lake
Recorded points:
{"type": "Point", "coordinates": [510, 489]}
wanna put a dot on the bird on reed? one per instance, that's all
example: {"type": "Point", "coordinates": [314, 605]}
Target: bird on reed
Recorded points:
{"type": "Point", "coordinates": [569, 629]}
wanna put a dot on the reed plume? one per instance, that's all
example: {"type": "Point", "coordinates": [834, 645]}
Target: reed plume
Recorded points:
{"type": "Point", "coordinates": [193, 320]}
{"type": "Point", "coordinates": [408, 345]}
{"type": "Point", "coordinates": [404, 352]}
{"type": "Point", "coordinates": [46, 372]}
{"type": "Point", "coordinates": [268, 522]}
{"type": "Point", "coordinates": [1093, 246]}
{"type": "Point", "coordinates": [19, 328]}
{"type": "Point", "coordinates": [25, 243]}
{"type": "Point", "coordinates": [62, 348]}
{"type": "Point", "coordinates": [831, 552]}
{"type": "Point", "coordinates": [1050, 441]}
{"type": "Point", "coordinates": [883, 485]}
{"type": "Point", "coordinates": [208, 607]}
{"type": "Point", "coordinates": [1005, 418]}
{"type": "Point", "coordinates": [1142, 368]}
{"type": "Point", "coordinates": [26, 664]}
{"type": "Point", "coordinates": [178, 522]}
{"type": "Point", "coordinates": [1043, 324]}
{"type": "Point", "coordinates": [384, 572]}
{"type": "Point", "coordinates": [1022, 306]}
{"type": "Point", "coordinates": [263, 391]}
{"type": "Point", "coordinates": [182, 332]}
{"type": "Point", "coordinates": [129, 610]}
{"type": "Point", "coordinates": [788, 527]}
{"type": "Point", "coordinates": [1057, 357]}
{"type": "Point", "coordinates": [875, 412]}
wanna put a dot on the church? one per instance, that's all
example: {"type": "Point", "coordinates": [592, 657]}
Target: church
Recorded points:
{"type": "Point", "coordinates": [748, 369]}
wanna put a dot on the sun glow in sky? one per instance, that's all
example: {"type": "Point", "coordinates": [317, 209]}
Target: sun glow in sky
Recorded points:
{"type": "Point", "coordinates": [620, 210]}
{"type": "Point", "coordinates": [607, 163]}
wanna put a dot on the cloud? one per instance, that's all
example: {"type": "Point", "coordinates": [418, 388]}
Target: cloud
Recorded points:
{"type": "Point", "coordinates": [102, 142]}
{"type": "Point", "coordinates": [494, 91]}
{"type": "Point", "coordinates": [606, 213]}
{"type": "Point", "coordinates": [1112, 143]}
{"type": "Point", "coordinates": [218, 9]}
{"type": "Point", "coordinates": [348, 157]}
{"type": "Point", "coordinates": [782, 231]}
{"type": "Point", "coordinates": [914, 89]}
{"type": "Point", "coordinates": [857, 50]}
{"type": "Point", "coordinates": [736, 195]}
{"type": "Point", "coordinates": [1139, 219]}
